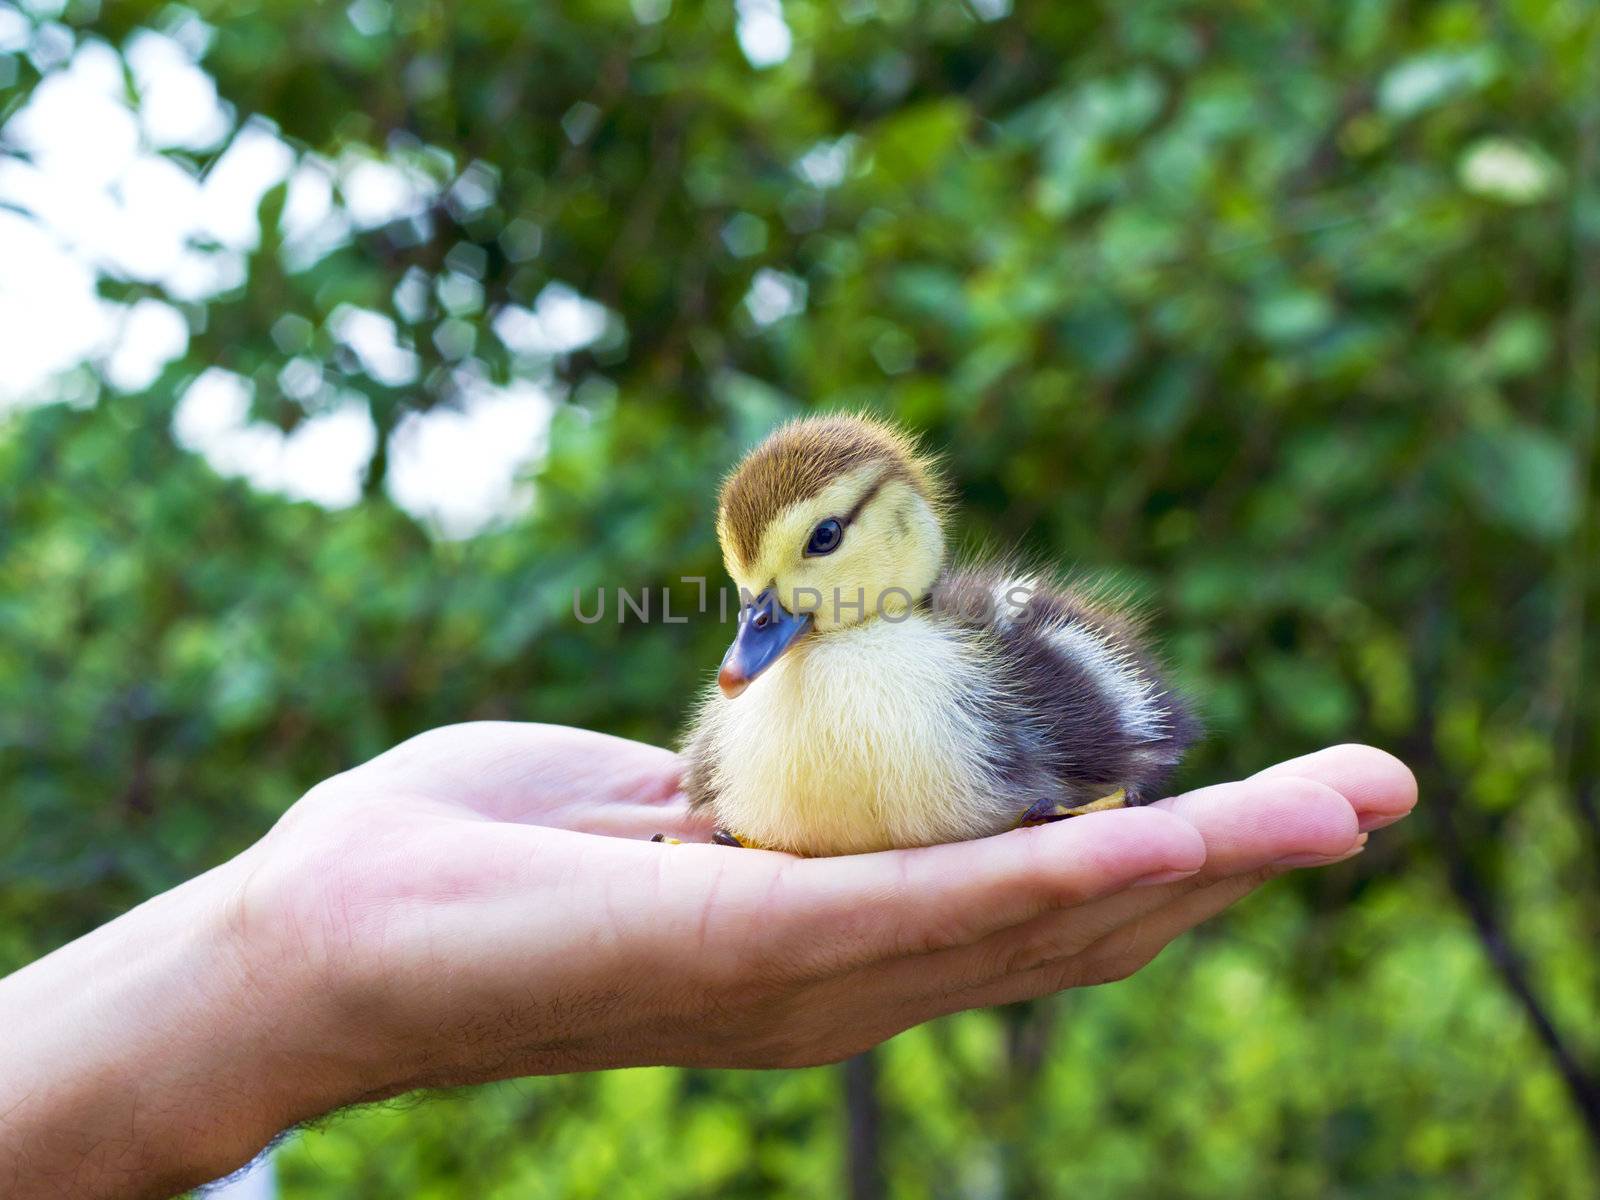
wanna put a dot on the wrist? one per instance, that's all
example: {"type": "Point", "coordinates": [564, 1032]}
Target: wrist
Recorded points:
{"type": "Point", "coordinates": [159, 1051]}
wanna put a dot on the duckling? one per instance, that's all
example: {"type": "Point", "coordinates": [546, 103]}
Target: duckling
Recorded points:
{"type": "Point", "coordinates": [875, 697]}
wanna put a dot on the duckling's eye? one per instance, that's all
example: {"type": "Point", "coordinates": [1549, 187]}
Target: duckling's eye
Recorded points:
{"type": "Point", "coordinates": [825, 538]}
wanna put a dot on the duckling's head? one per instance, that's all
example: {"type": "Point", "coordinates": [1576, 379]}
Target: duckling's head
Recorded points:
{"type": "Point", "coordinates": [831, 521]}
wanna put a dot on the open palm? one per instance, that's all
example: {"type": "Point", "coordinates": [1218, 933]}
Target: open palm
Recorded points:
{"type": "Point", "coordinates": [486, 899]}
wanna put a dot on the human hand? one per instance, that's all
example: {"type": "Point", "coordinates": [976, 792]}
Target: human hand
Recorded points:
{"type": "Point", "coordinates": [454, 897]}
{"type": "Point", "coordinates": [483, 902]}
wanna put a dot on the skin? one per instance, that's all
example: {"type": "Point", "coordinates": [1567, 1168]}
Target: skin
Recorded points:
{"type": "Point", "coordinates": [481, 902]}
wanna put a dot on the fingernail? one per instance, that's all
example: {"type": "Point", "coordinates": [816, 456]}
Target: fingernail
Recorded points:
{"type": "Point", "coordinates": [1323, 860]}
{"type": "Point", "coordinates": [1163, 877]}
{"type": "Point", "coordinates": [1379, 821]}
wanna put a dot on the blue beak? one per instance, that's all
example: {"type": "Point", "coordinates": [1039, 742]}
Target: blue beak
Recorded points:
{"type": "Point", "coordinates": [766, 630]}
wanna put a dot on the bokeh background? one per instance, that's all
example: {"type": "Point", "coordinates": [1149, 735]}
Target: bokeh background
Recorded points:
{"type": "Point", "coordinates": [340, 343]}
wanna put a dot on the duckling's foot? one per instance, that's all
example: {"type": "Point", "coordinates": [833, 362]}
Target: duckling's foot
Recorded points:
{"type": "Point", "coordinates": [1046, 811]}
{"type": "Point", "coordinates": [721, 837]}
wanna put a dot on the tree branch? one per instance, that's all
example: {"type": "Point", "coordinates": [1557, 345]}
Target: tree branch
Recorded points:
{"type": "Point", "coordinates": [863, 1126]}
{"type": "Point", "coordinates": [1475, 898]}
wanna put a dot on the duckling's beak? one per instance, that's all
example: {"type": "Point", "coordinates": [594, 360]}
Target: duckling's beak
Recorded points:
{"type": "Point", "coordinates": [766, 630]}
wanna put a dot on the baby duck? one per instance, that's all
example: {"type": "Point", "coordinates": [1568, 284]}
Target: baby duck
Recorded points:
{"type": "Point", "coordinates": [874, 697]}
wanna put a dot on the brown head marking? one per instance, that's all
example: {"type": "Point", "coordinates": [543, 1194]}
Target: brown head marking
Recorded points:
{"type": "Point", "coordinates": [800, 459]}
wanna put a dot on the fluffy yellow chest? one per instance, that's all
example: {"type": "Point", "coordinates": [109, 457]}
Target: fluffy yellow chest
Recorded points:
{"type": "Point", "coordinates": [861, 739]}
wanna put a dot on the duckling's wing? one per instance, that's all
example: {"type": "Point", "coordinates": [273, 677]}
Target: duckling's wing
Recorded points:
{"type": "Point", "coordinates": [1092, 708]}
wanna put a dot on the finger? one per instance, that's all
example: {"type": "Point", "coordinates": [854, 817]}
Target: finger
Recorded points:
{"type": "Point", "coordinates": [532, 773]}
{"type": "Point", "coordinates": [1265, 820]}
{"type": "Point", "coordinates": [1247, 827]}
{"type": "Point", "coordinates": [1122, 916]}
{"type": "Point", "coordinates": [844, 912]}
{"type": "Point", "coordinates": [1127, 949]}
{"type": "Point", "coordinates": [1285, 819]}
{"type": "Point", "coordinates": [635, 819]}
{"type": "Point", "coordinates": [1118, 954]}
{"type": "Point", "coordinates": [1381, 788]}
{"type": "Point", "coordinates": [1116, 957]}
{"type": "Point", "coordinates": [1040, 884]}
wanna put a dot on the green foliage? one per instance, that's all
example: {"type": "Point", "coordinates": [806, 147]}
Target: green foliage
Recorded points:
{"type": "Point", "coordinates": [1290, 317]}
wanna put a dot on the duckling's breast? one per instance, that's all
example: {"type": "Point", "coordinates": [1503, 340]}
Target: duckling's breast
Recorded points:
{"type": "Point", "coordinates": [862, 739]}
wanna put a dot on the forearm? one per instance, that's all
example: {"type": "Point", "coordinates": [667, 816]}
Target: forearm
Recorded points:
{"type": "Point", "coordinates": [153, 1054]}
